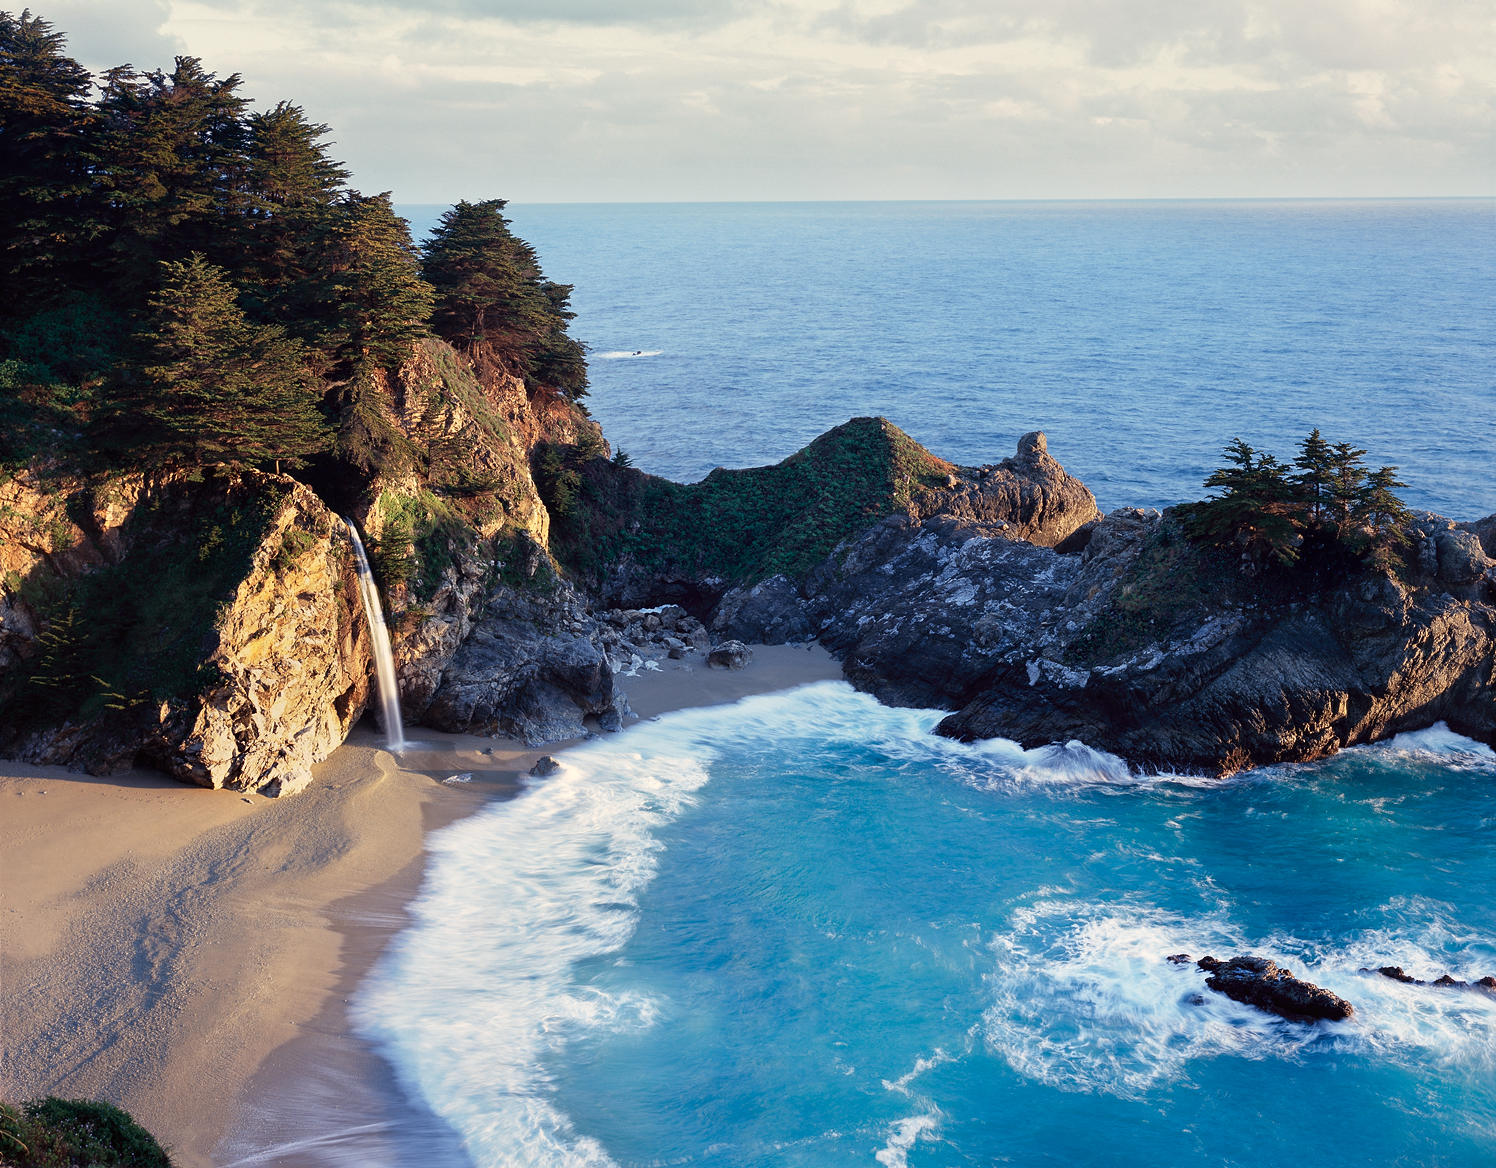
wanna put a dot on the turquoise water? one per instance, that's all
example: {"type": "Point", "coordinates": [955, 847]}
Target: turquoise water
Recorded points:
{"type": "Point", "coordinates": [1141, 336]}
{"type": "Point", "coordinates": [801, 930]}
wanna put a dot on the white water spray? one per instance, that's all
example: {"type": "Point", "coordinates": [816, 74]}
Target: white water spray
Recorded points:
{"type": "Point", "coordinates": [384, 659]}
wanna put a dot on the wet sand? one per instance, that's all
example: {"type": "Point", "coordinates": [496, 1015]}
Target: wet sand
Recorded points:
{"type": "Point", "coordinates": [188, 954]}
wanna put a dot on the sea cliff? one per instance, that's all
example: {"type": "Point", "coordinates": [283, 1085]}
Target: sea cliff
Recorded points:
{"type": "Point", "coordinates": [997, 592]}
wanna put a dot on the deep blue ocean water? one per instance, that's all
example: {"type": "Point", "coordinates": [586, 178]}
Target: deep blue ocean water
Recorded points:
{"type": "Point", "coordinates": [802, 930]}
{"type": "Point", "coordinates": [1140, 336]}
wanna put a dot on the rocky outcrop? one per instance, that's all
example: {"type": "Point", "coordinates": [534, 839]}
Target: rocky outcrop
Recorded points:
{"type": "Point", "coordinates": [1256, 981]}
{"type": "Point", "coordinates": [245, 657]}
{"type": "Point", "coordinates": [1126, 646]}
{"type": "Point", "coordinates": [1029, 497]}
{"type": "Point", "coordinates": [534, 666]}
{"type": "Point", "coordinates": [1026, 501]}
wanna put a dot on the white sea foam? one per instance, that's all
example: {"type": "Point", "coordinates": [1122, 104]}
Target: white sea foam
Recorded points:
{"type": "Point", "coordinates": [470, 1000]}
{"type": "Point", "coordinates": [901, 1137]}
{"type": "Point", "coordinates": [1439, 739]}
{"type": "Point", "coordinates": [1084, 998]}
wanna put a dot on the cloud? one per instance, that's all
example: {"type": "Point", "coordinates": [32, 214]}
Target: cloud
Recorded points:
{"type": "Point", "coordinates": [751, 99]}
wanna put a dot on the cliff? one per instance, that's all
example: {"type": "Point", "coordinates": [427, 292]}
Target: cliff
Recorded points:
{"type": "Point", "coordinates": [209, 623]}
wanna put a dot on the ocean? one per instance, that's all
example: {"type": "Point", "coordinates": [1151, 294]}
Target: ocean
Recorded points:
{"type": "Point", "coordinates": [1140, 337]}
{"type": "Point", "coordinates": [802, 930]}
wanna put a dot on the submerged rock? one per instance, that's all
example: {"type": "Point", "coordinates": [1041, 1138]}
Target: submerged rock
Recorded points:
{"type": "Point", "coordinates": [1257, 981]}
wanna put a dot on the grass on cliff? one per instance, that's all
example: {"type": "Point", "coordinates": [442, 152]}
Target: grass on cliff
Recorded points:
{"type": "Point", "coordinates": [741, 525]}
{"type": "Point", "coordinates": [131, 634]}
{"type": "Point", "coordinates": [67, 1133]}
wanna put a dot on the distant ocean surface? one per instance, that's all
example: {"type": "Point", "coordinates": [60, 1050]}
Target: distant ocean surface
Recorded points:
{"type": "Point", "coordinates": [803, 931]}
{"type": "Point", "coordinates": [1140, 336]}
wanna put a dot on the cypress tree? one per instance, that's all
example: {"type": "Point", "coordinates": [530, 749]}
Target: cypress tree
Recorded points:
{"type": "Point", "coordinates": [363, 300]}
{"type": "Point", "coordinates": [211, 387]}
{"type": "Point", "coordinates": [1254, 509]}
{"type": "Point", "coordinates": [290, 185]}
{"type": "Point", "coordinates": [173, 156]}
{"type": "Point", "coordinates": [495, 304]}
{"type": "Point", "coordinates": [48, 212]}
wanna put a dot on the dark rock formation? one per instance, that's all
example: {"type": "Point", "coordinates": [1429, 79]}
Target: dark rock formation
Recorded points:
{"type": "Point", "coordinates": [531, 669]}
{"type": "Point", "coordinates": [1024, 502]}
{"type": "Point", "coordinates": [1143, 646]}
{"type": "Point", "coordinates": [545, 765]}
{"type": "Point", "coordinates": [1256, 981]}
{"type": "Point", "coordinates": [1395, 972]}
{"type": "Point", "coordinates": [730, 655]}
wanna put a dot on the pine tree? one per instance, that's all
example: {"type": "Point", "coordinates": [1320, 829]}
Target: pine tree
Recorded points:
{"type": "Point", "coordinates": [363, 300]}
{"type": "Point", "coordinates": [1315, 478]}
{"type": "Point", "coordinates": [60, 681]}
{"type": "Point", "coordinates": [211, 387]}
{"type": "Point", "coordinates": [1347, 474]}
{"type": "Point", "coordinates": [173, 167]}
{"type": "Point", "coordinates": [1253, 511]}
{"type": "Point", "coordinates": [494, 303]}
{"type": "Point", "coordinates": [290, 187]}
{"type": "Point", "coordinates": [48, 210]}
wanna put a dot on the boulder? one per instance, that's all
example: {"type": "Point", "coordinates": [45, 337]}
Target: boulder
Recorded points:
{"type": "Point", "coordinates": [524, 674]}
{"type": "Point", "coordinates": [730, 655]}
{"type": "Point", "coordinates": [770, 612]}
{"type": "Point", "coordinates": [1256, 981]}
{"type": "Point", "coordinates": [544, 765]}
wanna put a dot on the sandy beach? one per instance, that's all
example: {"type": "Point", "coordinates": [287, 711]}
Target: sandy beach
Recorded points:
{"type": "Point", "coordinates": [188, 953]}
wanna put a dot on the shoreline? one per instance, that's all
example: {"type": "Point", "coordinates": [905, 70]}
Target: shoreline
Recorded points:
{"type": "Point", "coordinates": [216, 937]}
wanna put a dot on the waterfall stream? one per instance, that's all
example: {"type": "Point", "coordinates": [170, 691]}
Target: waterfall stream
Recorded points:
{"type": "Point", "coordinates": [384, 659]}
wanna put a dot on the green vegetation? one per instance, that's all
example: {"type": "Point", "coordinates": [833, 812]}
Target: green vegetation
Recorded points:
{"type": "Point", "coordinates": [496, 306]}
{"type": "Point", "coordinates": [186, 282]}
{"type": "Point", "coordinates": [1271, 511]}
{"type": "Point", "coordinates": [75, 1133]}
{"type": "Point", "coordinates": [740, 524]}
{"type": "Point", "coordinates": [216, 389]}
{"type": "Point", "coordinates": [147, 621]}
{"type": "Point", "coordinates": [1274, 535]}
{"type": "Point", "coordinates": [421, 539]}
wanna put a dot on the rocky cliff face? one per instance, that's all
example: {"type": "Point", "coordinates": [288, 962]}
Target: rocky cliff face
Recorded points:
{"type": "Point", "coordinates": [208, 623]}
{"type": "Point", "coordinates": [1131, 645]}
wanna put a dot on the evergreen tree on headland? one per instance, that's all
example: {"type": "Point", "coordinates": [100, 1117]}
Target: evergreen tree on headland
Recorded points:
{"type": "Point", "coordinates": [1268, 512]}
{"type": "Point", "coordinates": [362, 299]}
{"type": "Point", "coordinates": [103, 181]}
{"type": "Point", "coordinates": [173, 165]}
{"type": "Point", "coordinates": [210, 386]}
{"type": "Point", "coordinates": [1254, 509]}
{"type": "Point", "coordinates": [495, 304]}
{"type": "Point", "coordinates": [48, 209]}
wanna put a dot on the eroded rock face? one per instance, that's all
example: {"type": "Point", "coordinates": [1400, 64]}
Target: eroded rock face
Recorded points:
{"type": "Point", "coordinates": [1027, 501]}
{"type": "Point", "coordinates": [532, 668]}
{"type": "Point", "coordinates": [293, 653]}
{"type": "Point", "coordinates": [944, 613]}
{"type": "Point", "coordinates": [284, 669]}
{"type": "Point", "coordinates": [1029, 497]}
{"type": "Point", "coordinates": [1256, 981]}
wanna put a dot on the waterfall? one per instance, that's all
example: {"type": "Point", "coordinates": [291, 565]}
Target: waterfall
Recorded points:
{"type": "Point", "coordinates": [384, 659]}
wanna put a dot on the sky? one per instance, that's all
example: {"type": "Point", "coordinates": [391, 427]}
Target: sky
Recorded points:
{"type": "Point", "coordinates": [705, 100]}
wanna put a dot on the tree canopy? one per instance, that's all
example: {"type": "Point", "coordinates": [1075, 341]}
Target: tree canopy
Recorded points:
{"type": "Point", "coordinates": [496, 305]}
{"type": "Point", "coordinates": [118, 194]}
{"type": "Point", "coordinates": [1327, 495]}
{"type": "Point", "coordinates": [211, 387]}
